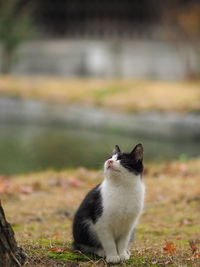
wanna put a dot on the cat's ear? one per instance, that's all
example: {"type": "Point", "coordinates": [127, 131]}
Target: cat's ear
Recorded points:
{"type": "Point", "coordinates": [137, 152]}
{"type": "Point", "coordinates": [116, 150]}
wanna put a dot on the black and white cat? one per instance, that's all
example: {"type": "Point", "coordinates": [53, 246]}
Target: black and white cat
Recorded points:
{"type": "Point", "coordinates": [105, 221]}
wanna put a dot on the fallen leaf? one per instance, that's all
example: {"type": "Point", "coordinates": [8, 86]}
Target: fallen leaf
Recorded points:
{"type": "Point", "coordinates": [74, 182]}
{"type": "Point", "coordinates": [26, 189]}
{"type": "Point", "coordinates": [193, 246]}
{"type": "Point", "coordinates": [7, 186]}
{"type": "Point", "coordinates": [197, 256]}
{"type": "Point", "coordinates": [167, 262]}
{"type": "Point", "coordinates": [169, 248]}
{"type": "Point", "coordinates": [57, 250]}
{"type": "Point", "coordinates": [37, 186]}
{"type": "Point", "coordinates": [56, 236]}
{"type": "Point", "coordinates": [183, 167]}
{"type": "Point", "coordinates": [186, 222]}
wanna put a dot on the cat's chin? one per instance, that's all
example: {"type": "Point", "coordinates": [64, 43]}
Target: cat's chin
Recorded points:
{"type": "Point", "coordinates": [110, 168]}
{"type": "Point", "coordinates": [110, 173]}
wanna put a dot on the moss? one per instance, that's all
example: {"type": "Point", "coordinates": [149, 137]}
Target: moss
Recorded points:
{"type": "Point", "coordinates": [193, 229]}
{"type": "Point", "coordinates": [43, 242]}
{"type": "Point", "coordinates": [17, 227]}
{"type": "Point", "coordinates": [181, 242]}
{"type": "Point", "coordinates": [143, 227]}
{"type": "Point", "coordinates": [158, 231]}
{"type": "Point", "coordinates": [68, 256]}
{"type": "Point", "coordinates": [140, 261]}
{"type": "Point", "coordinates": [72, 257]}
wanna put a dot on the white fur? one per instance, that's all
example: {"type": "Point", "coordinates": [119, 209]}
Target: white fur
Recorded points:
{"type": "Point", "coordinates": [123, 198]}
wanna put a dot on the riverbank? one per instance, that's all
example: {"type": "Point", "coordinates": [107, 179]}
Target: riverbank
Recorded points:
{"type": "Point", "coordinates": [118, 95]}
{"type": "Point", "coordinates": [153, 124]}
{"type": "Point", "coordinates": [36, 135]}
{"type": "Point", "coordinates": [41, 206]}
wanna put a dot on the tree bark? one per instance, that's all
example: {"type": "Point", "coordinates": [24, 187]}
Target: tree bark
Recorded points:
{"type": "Point", "coordinates": [10, 254]}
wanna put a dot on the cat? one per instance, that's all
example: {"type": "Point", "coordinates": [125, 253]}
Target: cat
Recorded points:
{"type": "Point", "coordinates": [105, 221]}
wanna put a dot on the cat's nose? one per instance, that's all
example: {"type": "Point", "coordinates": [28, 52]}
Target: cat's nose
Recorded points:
{"type": "Point", "coordinates": [110, 161]}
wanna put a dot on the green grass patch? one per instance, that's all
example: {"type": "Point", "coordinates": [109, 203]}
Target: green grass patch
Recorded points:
{"type": "Point", "coordinates": [17, 227]}
{"type": "Point", "coordinates": [46, 242]}
{"type": "Point", "coordinates": [102, 94]}
{"type": "Point", "coordinates": [73, 257]}
{"type": "Point", "coordinates": [68, 256]}
{"type": "Point", "coordinates": [140, 261]}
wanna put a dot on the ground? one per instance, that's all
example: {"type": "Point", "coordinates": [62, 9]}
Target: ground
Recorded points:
{"type": "Point", "coordinates": [122, 95]}
{"type": "Point", "coordinates": [40, 207]}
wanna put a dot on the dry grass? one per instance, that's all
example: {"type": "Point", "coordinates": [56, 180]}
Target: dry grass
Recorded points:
{"type": "Point", "coordinates": [40, 207]}
{"type": "Point", "coordinates": [125, 95]}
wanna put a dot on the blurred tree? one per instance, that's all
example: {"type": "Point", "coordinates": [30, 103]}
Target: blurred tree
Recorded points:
{"type": "Point", "coordinates": [182, 24]}
{"type": "Point", "coordinates": [16, 26]}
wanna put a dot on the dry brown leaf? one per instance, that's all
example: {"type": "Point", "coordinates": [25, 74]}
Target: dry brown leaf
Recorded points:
{"type": "Point", "coordinates": [57, 250]}
{"type": "Point", "coordinates": [169, 248]}
{"type": "Point", "coordinates": [186, 222]}
{"type": "Point", "coordinates": [26, 189]}
{"type": "Point", "coordinates": [7, 186]}
{"type": "Point", "coordinates": [56, 236]}
{"type": "Point", "coordinates": [196, 257]}
{"type": "Point", "coordinates": [74, 182]}
{"type": "Point", "coordinates": [193, 246]}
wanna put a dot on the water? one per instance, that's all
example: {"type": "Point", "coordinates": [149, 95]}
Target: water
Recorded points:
{"type": "Point", "coordinates": [29, 148]}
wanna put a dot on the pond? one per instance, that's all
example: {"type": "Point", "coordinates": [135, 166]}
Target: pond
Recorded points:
{"type": "Point", "coordinates": [27, 148]}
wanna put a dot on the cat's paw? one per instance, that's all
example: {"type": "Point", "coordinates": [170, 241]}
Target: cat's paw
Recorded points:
{"type": "Point", "coordinates": [128, 252]}
{"type": "Point", "coordinates": [125, 255]}
{"type": "Point", "coordinates": [112, 259]}
{"type": "Point", "coordinates": [100, 253]}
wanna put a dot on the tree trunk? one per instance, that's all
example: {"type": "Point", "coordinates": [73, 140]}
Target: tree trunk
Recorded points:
{"type": "Point", "coordinates": [10, 254]}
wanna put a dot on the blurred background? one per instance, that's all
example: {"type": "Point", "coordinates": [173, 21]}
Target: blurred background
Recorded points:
{"type": "Point", "coordinates": [78, 77]}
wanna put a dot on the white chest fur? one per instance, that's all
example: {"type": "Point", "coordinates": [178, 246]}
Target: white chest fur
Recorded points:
{"type": "Point", "coordinates": [122, 204]}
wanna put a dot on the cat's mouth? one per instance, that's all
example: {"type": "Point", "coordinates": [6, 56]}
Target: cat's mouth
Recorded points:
{"type": "Point", "coordinates": [112, 169]}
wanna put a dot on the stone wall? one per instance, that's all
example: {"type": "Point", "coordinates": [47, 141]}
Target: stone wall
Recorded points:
{"type": "Point", "coordinates": [105, 59]}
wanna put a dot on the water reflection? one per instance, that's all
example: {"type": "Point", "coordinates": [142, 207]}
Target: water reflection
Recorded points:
{"type": "Point", "coordinates": [30, 148]}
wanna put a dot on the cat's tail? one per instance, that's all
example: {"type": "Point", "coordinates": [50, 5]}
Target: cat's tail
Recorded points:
{"type": "Point", "coordinates": [87, 249]}
{"type": "Point", "coordinates": [77, 246]}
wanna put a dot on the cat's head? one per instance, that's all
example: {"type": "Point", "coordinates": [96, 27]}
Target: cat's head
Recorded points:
{"type": "Point", "coordinates": [120, 164]}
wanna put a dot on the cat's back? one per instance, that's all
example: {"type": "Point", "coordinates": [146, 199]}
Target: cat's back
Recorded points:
{"type": "Point", "coordinates": [91, 206]}
{"type": "Point", "coordinates": [88, 213]}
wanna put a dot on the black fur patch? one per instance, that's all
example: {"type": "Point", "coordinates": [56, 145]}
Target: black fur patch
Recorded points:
{"type": "Point", "coordinates": [90, 210]}
{"type": "Point", "coordinates": [130, 163]}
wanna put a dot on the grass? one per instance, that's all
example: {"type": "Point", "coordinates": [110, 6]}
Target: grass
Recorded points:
{"type": "Point", "coordinates": [40, 207]}
{"type": "Point", "coordinates": [122, 95]}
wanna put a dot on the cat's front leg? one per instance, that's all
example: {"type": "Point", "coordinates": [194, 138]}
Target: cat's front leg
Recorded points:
{"type": "Point", "coordinates": [110, 249]}
{"type": "Point", "coordinates": [100, 252]}
{"type": "Point", "coordinates": [125, 255]}
{"type": "Point", "coordinates": [108, 243]}
{"type": "Point", "coordinates": [122, 247]}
